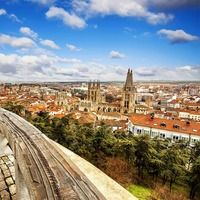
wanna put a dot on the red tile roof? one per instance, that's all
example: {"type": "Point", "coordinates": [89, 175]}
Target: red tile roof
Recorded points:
{"type": "Point", "coordinates": [145, 120]}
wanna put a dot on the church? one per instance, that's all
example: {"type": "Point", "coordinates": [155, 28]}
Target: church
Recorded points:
{"type": "Point", "coordinates": [95, 102]}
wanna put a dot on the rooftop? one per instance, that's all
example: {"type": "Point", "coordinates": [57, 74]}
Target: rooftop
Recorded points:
{"type": "Point", "coordinates": [166, 124]}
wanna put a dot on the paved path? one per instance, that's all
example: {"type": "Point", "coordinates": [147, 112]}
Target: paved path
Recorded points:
{"type": "Point", "coordinates": [7, 178]}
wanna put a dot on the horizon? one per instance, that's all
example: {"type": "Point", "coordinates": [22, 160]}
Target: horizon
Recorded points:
{"type": "Point", "coordinates": [82, 40]}
{"type": "Point", "coordinates": [102, 82]}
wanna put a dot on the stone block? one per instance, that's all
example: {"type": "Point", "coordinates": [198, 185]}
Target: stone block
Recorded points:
{"type": "Point", "coordinates": [1, 176]}
{"type": "Point", "coordinates": [5, 158]}
{"type": "Point", "coordinates": [12, 189]}
{"type": "Point", "coordinates": [4, 167]}
{"type": "Point", "coordinates": [9, 181]}
{"type": "Point", "coordinates": [14, 197]}
{"type": "Point", "coordinates": [3, 186]}
{"type": "Point", "coordinates": [6, 173]}
{"type": "Point", "coordinates": [4, 195]}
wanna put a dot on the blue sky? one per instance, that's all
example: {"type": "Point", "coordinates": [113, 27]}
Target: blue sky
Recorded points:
{"type": "Point", "coordinates": [51, 40]}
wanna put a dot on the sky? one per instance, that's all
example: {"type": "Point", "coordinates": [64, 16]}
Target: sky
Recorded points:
{"type": "Point", "coordinates": [81, 40]}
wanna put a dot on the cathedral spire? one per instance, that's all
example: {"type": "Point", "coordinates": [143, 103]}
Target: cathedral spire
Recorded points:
{"type": "Point", "coordinates": [128, 95]}
{"type": "Point", "coordinates": [129, 79]}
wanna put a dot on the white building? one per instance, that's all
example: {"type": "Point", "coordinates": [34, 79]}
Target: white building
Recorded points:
{"type": "Point", "coordinates": [164, 128]}
{"type": "Point", "coordinates": [194, 115]}
{"type": "Point", "coordinates": [173, 104]}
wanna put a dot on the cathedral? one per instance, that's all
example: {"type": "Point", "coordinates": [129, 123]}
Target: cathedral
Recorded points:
{"type": "Point", "coordinates": [95, 102]}
{"type": "Point", "coordinates": [128, 94]}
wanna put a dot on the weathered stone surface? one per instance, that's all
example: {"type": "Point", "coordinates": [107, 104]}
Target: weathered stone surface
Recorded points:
{"type": "Point", "coordinates": [4, 167]}
{"type": "Point", "coordinates": [6, 173]}
{"type": "Point", "coordinates": [9, 181]}
{"type": "Point", "coordinates": [9, 164]}
{"type": "Point", "coordinates": [14, 197]}
{"type": "Point", "coordinates": [13, 176]}
{"type": "Point", "coordinates": [12, 189]}
{"type": "Point", "coordinates": [11, 158]}
{"type": "Point", "coordinates": [12, 169]}
{"type": "Point", "coordinates": [2, 185]}
{"type": "Point", "coordinates": [1, 176]}
{"type": "Point", "coordinates": [5, 158]}
{"type": "Point", "coordinates": [5, 195]}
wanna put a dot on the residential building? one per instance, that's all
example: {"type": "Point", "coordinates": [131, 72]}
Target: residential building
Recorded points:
{"type": "Point", "coordinates": [173, 130]}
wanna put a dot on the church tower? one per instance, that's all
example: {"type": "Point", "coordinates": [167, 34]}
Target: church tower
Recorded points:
{"type": "Point", "coordinates": [128, 94]}
{"type": "Point", "coordinates": [94, 92]}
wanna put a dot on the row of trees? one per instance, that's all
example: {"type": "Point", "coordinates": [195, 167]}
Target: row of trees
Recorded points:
{"type": "Point", "coordinates": [159, 160]}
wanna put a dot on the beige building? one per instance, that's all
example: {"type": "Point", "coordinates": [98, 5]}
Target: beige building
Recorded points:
{"type": "Point", "coordinates": [96, 102]}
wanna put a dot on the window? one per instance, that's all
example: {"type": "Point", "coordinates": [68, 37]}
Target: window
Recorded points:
{"type": "Point", "coordinates": [139, 131]}
{"type": "Point", "coordinates": [162, 135]}
{"type": "Point", "coordinates": [175, 138]}
{"type": "Point", "coordinates": [154, 134]}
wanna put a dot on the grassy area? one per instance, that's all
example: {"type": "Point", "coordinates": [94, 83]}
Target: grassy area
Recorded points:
{"type": "Point", "coordinates": [141, 192]}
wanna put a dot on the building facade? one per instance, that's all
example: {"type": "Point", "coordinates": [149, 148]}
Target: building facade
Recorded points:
{"type": "Point", "coordinates": [94, 92]}
{"type": "Point", "coordinates": [173, 130]}
{"type": "Point", "coordinates": [95, 102]}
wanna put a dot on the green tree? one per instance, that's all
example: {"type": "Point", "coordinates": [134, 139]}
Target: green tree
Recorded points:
{"type": "Point", "coordinates": [143, 153]}
{"type": "Point", "coordinates": [195, 179]}
{"type": "Point", "coordinates": [16, 108]}
{"type": "Point", "coordinates": [174, 164]}
{"type": "Point", "coordinates": [194, 172]}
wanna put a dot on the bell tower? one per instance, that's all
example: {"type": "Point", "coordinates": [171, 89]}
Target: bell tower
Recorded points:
{"type": "Point", "coordinates": [128, 94]}
{"type": "Point", "coordinates": [94, 92]}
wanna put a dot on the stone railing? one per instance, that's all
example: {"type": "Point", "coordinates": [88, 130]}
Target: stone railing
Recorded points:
{"type": "Point", "coordinates": [46, 170]}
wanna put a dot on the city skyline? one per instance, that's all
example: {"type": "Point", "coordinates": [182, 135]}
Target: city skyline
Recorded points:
{"type": "Point", "coordinates": [49, 40]}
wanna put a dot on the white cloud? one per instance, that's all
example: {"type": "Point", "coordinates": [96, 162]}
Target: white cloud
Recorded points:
{"type": "Point", "coordinates": [14, 18]}
{"type": "Point", "coordinates": [14, 67]}
{"type": "Point", "coordinates": [3, 12]}
{"type": "Point", "coordinates": [17, 42]}
{"type": "Point", "coordinates": [188, 68]}
{"type": "Point", "coordinates": [49, 43]}
{"type": "Point", "coordinates": [28, 32]}
{"type": "Point", "coordinates": [69, 19]}
{"type": "Point", "coordinates": [125, 8]}
{"type": "Point", "coordinates": [72, 47]}
{"type": "Point", "coordinates": [29, 67]}
{"type": "Point", "coordinates": [43, 2]}
{"type": "Point", "coordinates": [177, 36]}
{"type": "Point", "coordinates": [116, 54]}
{"type": "Point", "coordinates": [182, 73]}
{"type": "Point", "coordinates": [144, 71]}
{"type": "Point", "coordinates": [171, 3]}
{"type": "Point", "coordinates": [11, 16]}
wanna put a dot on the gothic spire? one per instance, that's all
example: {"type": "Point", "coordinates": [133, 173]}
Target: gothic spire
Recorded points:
{"type": "Point", "coordinates": [129, 79]}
